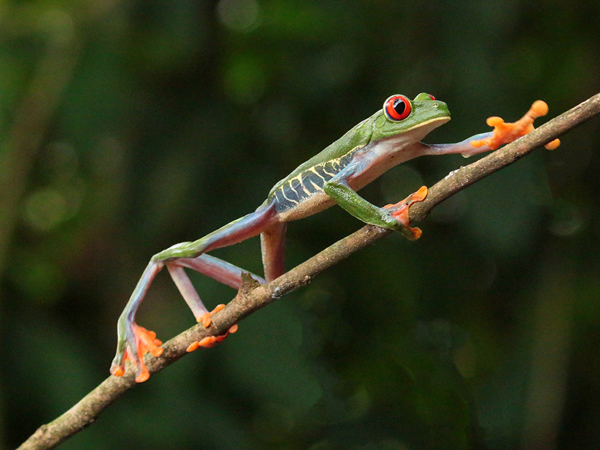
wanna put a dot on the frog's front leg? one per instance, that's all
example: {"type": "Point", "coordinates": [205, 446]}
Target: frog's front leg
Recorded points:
{"type": "Point", "coordinates": [503, 133]}
{"type": "Point", "coordinates": [134, 341]}
{"type": "Point", "coordinates": [394, 217]}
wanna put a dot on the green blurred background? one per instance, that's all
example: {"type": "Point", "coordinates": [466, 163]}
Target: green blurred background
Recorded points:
{"type": "Point", "coordinates": [128, 126]}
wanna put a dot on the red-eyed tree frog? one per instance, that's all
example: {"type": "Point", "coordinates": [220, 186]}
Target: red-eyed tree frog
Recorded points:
{"type": "Point", "coordinates": [389, 137]}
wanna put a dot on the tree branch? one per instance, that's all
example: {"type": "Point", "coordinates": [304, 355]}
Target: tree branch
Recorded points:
{"type": "Point", "coordinates": [250, 298]}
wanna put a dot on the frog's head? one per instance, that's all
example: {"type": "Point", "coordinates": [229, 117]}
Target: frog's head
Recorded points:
{"type": "Point", "coordinates": [413, 119]}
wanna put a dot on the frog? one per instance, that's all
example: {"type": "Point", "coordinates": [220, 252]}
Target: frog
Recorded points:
{"type": "Point", "coordinates": [389, 137]}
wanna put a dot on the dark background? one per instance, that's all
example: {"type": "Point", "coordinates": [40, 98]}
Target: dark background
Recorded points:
{"type": "Point", "coordinates": [128, 126]}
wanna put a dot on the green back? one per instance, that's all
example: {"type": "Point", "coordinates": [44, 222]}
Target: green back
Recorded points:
{"type": "Point", "coordinates": [358, 136]}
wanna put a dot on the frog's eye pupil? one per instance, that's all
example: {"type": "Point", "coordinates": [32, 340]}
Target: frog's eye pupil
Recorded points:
{"type": "Point", "coordinates": [397, 107]}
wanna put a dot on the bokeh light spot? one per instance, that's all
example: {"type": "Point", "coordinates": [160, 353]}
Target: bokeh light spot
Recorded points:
{"type": "Point", "coordinates": [239, 15]}
{"type": "Point", "coordinates": [45, 209]}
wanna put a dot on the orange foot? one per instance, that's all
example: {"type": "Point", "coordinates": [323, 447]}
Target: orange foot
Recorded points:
{"type": "Point", "coordinates": [505, 133]}
{"type": "Point", "coordinates": [145, 341]}
{"type": "Point", "coordinates": [401, 212]}
{"type": "Point", "coordinates": [205, 319]}
{"type": "Point", "coordinates": [210, 341]}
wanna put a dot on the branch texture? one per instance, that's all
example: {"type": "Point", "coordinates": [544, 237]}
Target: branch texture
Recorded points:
{"type": "Point", "coordinates": [250, 298]}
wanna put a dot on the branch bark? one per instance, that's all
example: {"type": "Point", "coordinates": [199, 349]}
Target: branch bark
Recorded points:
{"type": "Point", "coordinates": [250, 298]}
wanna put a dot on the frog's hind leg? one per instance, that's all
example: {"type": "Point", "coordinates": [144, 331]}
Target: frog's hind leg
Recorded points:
{"type": "Point", "coordinates": [272, 242]}
{"type": "Point", "coordinates": [134, 341]}
{"type": "Point", "coordinates": [192, 256]}
{"type": "Point", "coordinates": [208, 265]}
{"type": "Point", "coordinates": [272, 245]}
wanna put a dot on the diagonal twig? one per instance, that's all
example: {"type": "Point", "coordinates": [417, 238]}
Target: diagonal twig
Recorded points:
{"type": "Point", "coordinates": [250, 298]}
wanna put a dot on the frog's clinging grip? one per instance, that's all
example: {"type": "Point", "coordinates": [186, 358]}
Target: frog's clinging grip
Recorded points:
{"type": "Point", "coordinates": [505, 133]}
{"type": "Point", "coordinates": [400, 212]}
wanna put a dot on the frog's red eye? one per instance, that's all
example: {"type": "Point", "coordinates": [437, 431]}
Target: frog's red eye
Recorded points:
{"type": "Point", "coordinates": [397, 107]}
{"type": "Point", "coordinates": [431, 97]}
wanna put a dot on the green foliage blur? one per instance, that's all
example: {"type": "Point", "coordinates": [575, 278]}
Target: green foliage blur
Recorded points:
{"type": "Point", "coordinates": [128, 126]}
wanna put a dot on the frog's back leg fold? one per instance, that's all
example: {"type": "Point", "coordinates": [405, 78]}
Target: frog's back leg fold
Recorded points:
{"type": "Point", "coordinates": [236, 231]}
{"type": "Point", "coordinates": [134, 341]}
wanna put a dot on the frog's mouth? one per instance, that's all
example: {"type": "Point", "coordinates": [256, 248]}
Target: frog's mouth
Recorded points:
{"type": "Point", "coordinates": [430, 124]}
{"type": "Point", "coordinates": [418, 132]}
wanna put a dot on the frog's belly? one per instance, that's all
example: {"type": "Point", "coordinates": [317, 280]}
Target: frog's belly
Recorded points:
{"type": "Point", "coordinates": [317, 202]}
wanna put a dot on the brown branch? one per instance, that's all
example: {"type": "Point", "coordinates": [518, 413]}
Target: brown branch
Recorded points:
{"type": "Point", "coordinates": [251, 298]}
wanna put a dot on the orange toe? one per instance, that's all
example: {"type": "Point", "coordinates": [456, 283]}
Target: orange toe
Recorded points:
{"type": "Point", "coordinates": [146, 342]}
{"type": "Point", "coordinates": [211, 341]}
{"type": "Point", "coordinates": [143, 376]}
{"type": "Point", "coordinates": [553, 144]}
{"type": "Point", "coordinates": [207, 342]}
{"type": "Point", "coordinates": [117, 371]}
{"type": "Point", "coordinates": [206, 318]}
{"type": "Point", "coordinates": [157, 351]}
{"type": "Point", "coordinates": [193, 346]}
{"type": "Point", "coordinates": [539, 108]}
{"type": "Point", "coordinates": [418, 196]}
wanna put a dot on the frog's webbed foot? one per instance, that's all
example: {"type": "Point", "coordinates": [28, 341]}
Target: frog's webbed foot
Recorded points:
{"type": "Point", "coordinates": [209, 341]}
{"type": "Point", "coordinates": [400, 213]}
{"type": "Point", "coordinates": [505, 133]}
{"type": "Point", "coordinates": [134, 342]}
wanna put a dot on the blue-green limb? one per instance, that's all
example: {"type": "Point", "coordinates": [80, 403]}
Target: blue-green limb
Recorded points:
{"type": "Point", "coordinates": [463, 147]}
{"type": "Point", "coordinates": [134, 341]}
{"type": "Point", "coordinates": [339, 188]}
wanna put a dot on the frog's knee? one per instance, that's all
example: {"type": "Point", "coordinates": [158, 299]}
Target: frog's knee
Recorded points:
{"type": "Point", "coordinates": [181, 250]}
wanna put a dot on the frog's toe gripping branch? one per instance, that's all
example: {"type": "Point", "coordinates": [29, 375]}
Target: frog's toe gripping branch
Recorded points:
{"type": "Point", "coordinates": [393, 217]}
{"type": "Point", "coordinates": [206, 320]}
{"type": "Point", "coordinates": [134, 341]}
{"type": "Point", "coordinates": [211, 341]}
{"type": "Point", "coordinates": [141, 341]}
{"type": "Point", "coordinates": [505, 133]}
{"type": "Point", "coordinates": [400, 213]}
